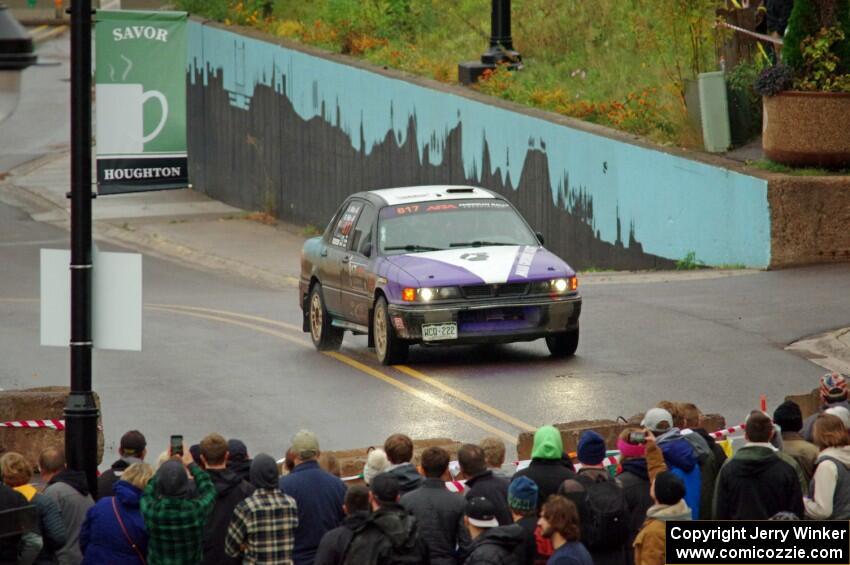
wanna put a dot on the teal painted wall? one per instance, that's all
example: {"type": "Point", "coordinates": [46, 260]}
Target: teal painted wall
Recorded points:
{"type": "Point", "coordinates": [674, 205]}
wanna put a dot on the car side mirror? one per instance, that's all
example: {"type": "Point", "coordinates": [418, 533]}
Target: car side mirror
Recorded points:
{"type": "Point", "coordinates": [367, 249]}
{"type": "Point", "coordinates": [540, 238]}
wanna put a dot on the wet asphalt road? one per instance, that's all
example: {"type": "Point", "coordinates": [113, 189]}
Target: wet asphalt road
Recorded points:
{"type": "Point", "coordinates": [223, 354]}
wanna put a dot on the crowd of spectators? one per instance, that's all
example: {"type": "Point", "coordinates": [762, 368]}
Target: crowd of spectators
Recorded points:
{"type": "Point", "coordinates": [214, 504]}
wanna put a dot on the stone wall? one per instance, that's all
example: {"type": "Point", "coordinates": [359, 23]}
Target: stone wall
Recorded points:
{"type": "Point", "coordinates": [810, 220]}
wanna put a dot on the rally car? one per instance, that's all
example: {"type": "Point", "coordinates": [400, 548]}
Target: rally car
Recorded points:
{"type": "Point", "coordinates": [435, 265]}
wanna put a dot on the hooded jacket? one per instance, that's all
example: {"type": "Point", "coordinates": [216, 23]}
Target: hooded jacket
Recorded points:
{"type": "Point", "coordinates": [389, 533]}
{"type": "Point", "coordinates": [408, 477]}
{"type": "Point", "coordinates": [548, 468]}
{"type": "Point", "coordinates": [70, 491]}
{"type": "Point", "coordinates": [440, 516]}
{"type": "Point", "coordinates": [335, 543]}
{"type": "Point", "coordinates": [681, 458]}
{"type": "Point", "coordinates": [101, 537]}
{"type": "Point", "coordinates": [496, 546]}
{"type": "Point", "coordinates": [650, 543]}
{"type": "Point", "coordinates": [107, 479]}
{"type": "Point", "coordinates": [494, 489]}
{"type": "Point", "coordinates": [756, 484]}
{"type": "Point", "coordinates": [634, 477]}
{"type": "Point", "coordinates": [803, 452]}
{"type": "Point", "coordinates": [231, 490]}
{"type": "Point", "coordinates": [830, 490]}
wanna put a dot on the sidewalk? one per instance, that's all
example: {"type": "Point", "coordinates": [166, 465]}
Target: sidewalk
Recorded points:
{"type": "Point", "coordinates": [188, 227]}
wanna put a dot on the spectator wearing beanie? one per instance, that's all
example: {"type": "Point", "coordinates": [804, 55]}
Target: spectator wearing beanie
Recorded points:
{"type": "Point", "coordinates": [399, 450]}
{"type": "Point", "coordinates": [133, 449]}
{"type": "Point", "coordinates": [438, 511]}
{"type": "Point", "coordinates": [522, 502]}
{"type": "Point", "coordinates": [830, 491]}
{"type": "Point", "coordinates": [756, 482]}
{"type": "Point", "coordinates": [549, 467]}
{"type": "Point", "coordinates": [833, 392]}
{"type": "Point", "coordinates": [591, 455]}
{"type": "Point", "coordinates": [790, 420]}
{"type": "Point", "coordinates": [668, 492]}
{"type": "Point", "coordinates": [634, 476]}
{"type": "Point", "coordinates": [376, 463]}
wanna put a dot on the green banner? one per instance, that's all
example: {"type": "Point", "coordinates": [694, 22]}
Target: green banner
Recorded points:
{"type": "Point", "coordinates": [140, 100]}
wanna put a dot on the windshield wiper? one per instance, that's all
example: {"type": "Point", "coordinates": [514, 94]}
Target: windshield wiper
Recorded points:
{"type": "Point", "coordinates": [479, 243]}
{"type": "Point", "coordinates": [412, 247]}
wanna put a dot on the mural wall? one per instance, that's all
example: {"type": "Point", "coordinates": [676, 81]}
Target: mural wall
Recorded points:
{"type": "Point", "coordinates": [279, 129]}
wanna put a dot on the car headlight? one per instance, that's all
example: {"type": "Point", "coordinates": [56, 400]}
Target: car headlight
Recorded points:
{"type": "Point", "coordinates": [555, 286]}
{"type": "Point", "coordinates": [430, 294]}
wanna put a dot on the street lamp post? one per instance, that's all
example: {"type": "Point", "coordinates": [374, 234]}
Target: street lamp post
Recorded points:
{"type": "Point", "coordinates": [16, 54]}
{"type": "Point", "coordinates": [81, 411]}
{"type": "Point", "coordinates": [501, 50]}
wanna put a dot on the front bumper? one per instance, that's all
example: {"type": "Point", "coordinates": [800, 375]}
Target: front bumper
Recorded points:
{"type": "Point", "coordinates": [489, 322]}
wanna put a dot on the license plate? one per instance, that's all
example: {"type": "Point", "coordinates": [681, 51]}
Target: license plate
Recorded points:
{"type": "Point", "coordinates": [436, 332]}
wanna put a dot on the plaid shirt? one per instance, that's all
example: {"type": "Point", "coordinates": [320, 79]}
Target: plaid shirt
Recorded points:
{"type": "Point", "coordinates": [176, 525]}
{"type": "Point", "coordinates": [263, 528]}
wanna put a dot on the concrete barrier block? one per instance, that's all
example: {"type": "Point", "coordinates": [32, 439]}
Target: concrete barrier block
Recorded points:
{"type": "Point", "coordinates": [809, 402]}
{"type": "Point", "coordinates": [608, 429]}
{"type": "Point", "coordinates": [352, 461]}
{"type": "Point", "coordinates": [43, 403]}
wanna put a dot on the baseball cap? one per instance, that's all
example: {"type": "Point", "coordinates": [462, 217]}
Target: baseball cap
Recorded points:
{"type": "Point", "coordinates": [654, 417]}
{"type": "Point", "coordinates": [481, 512]}
{"type": "Point", "coordinates": [305, 444]}
{"type": "Point", "coordinates": [133, 443]}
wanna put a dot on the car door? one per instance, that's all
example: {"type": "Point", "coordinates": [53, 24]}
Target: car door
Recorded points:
{"type": "Point", "coordinates": [334, 252]}
{"type": "Point", "coordinates": [357, 273]}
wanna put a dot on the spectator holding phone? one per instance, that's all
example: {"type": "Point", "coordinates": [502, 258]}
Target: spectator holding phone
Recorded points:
{"type": "Point", "coordinates": [175, 519]}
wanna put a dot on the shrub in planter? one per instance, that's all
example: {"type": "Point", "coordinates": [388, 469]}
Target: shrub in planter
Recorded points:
{"type": "Point", "coordinates": [807, 102]}
{"type": "Point", "coordinates": [744, 103]}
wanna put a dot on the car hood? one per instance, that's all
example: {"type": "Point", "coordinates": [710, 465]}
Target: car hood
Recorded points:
{"type": "Point", "coordinates": [482, 265]}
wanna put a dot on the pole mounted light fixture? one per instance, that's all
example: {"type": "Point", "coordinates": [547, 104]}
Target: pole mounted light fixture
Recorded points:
{"type": "Point", "coordinates": [16, 54]}
{"type": "Point", "coordinates": [501, 50]}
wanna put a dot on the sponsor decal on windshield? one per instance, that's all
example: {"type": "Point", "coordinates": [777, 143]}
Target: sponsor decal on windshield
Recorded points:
{"type": "Point", "coordinates": [432, 207]}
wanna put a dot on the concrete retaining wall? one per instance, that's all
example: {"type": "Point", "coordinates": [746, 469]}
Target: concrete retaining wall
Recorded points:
{"type": "Point", "coordinates": [291, 130]}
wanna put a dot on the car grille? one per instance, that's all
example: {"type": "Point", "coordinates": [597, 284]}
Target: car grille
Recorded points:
{"type": "Point", "coordinates": [491, 290]}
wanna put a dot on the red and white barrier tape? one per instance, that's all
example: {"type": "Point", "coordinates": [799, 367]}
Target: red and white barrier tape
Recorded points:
{"type": "Point", "coordinates": [51, 424]}
{"type": "Point", "coordinates": [720, 434]}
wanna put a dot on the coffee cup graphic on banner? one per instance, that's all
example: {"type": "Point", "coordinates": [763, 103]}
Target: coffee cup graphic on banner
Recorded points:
{"type": "Point", "coordinates": [120, 118]}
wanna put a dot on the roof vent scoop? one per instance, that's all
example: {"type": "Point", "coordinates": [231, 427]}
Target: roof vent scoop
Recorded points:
{"type": "Point", "coordinates": [460, 190]}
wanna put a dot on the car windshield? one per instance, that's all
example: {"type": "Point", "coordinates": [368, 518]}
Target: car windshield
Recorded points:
{"type": "Point", "coordinates": [432, 226]}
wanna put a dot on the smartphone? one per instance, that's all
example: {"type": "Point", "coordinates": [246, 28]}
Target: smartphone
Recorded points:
{"type": "Point", "coordinates": [637, 437]}
{"type": "Point", "coordinates": [177, 445]}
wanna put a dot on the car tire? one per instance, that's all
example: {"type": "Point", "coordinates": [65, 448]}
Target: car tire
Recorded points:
{"type": "Point", "coordinates": [389, 348]}
{"type": "Point", "coordinates": [563, 344]}
{"type": "Point", "coordinates": [325, 337]}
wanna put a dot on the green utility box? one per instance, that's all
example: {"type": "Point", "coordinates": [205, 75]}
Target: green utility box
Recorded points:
{"type": "Point", "coordinates": [714, 112]}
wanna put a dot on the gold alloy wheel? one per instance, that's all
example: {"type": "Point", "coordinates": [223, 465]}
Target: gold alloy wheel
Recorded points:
{"type": "Point", "coordinates": [316, 317]}
{"type": "Point", "coordinates": [380, 327]}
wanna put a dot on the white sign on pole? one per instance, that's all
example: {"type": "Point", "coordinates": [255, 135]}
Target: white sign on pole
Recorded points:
{"type": "Point", "coordinates": [116, 299]}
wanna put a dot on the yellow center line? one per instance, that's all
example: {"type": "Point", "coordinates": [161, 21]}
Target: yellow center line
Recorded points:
{"type": "Point", "coordinates": [38, 29]}
{"type": "Point", "coordinates": [466, 398]}
{"type": "Point", "coordinates": [351, 363]}
{"type": "Point", "coordinates": [403, 368]}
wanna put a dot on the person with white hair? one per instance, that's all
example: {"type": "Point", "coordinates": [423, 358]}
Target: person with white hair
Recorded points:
{"type": "Point", "coordinates": [376, 463]}
{"type": "Point", "coordinates": [842, 413]}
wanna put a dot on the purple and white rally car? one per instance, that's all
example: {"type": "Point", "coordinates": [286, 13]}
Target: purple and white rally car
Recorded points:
{"type": "Point", "coordinates": [435, 265]}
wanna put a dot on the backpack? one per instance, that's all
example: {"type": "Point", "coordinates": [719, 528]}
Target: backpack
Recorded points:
{"type": "Point", "coordinates": [370, 545]}
{"type": "Point", "coordinates": [605, 520]}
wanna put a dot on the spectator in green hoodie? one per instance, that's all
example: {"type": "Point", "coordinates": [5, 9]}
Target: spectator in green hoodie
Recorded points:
{"type": "Point", "coordinates": [549, 465]}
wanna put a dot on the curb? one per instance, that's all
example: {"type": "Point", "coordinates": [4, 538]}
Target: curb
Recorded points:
{"type": "Point", "coordinates": [829, 350]}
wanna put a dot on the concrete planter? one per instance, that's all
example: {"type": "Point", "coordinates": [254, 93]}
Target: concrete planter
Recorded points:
{"type": "Point", "coordinates": [807, 129]}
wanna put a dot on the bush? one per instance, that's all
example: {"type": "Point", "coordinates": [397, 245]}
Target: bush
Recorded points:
{"type": "Point", "coordinates": [773, 80]}
{"type": "Point", "coordinates": [807, 18]}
